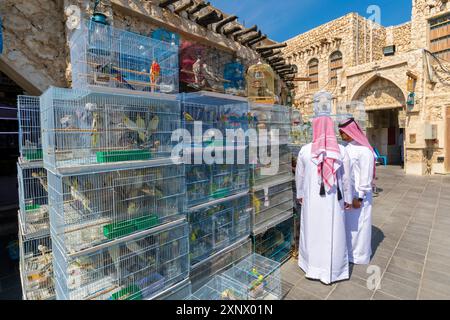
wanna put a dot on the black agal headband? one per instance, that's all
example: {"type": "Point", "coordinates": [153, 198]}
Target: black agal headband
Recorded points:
{"type": "Point", "coordinates": [343, 125]}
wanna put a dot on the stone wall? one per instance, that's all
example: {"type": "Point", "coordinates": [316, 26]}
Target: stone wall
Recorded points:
{"type": "Point", "coordinates": [34, 53]}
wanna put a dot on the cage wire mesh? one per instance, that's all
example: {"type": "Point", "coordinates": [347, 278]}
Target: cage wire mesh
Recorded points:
{"type": "Point", "coordinates": [259, 275]}
{"type": "Point", "coordinates": [221, 288]}
{"type": "Point", "coordinates": [282, 167]}
{"type": "Point", "coordinates": [33, 199]}
{"type": "Point", "coordinates": [90, 127]}
{"type": "Point", "coordinates": [90, 209]}
{"type": "Point", "coordinates": [271, 118]}
{"type": "Point", "coordinates": [36, 268]}
{"type": "Point", "coordinates": [204, 271]}
{"type": "Point", "coordinates": [272, 203]}
{"type": "Point", "coordinates": [179, 292]}
{"type": "Point", "coordinates": [207, 68]}
{"type": "Point", "coordinates": [102, 55]}
{"type": "Point", "coordinates": [138, 269]}
{"type": "Point", "coordinates": [276, 243]}
{"type": "Point", "coordinates": [217, 226]}
{"type": "Point", "coordinates": [208, 117]}
{"type": "Point", "coordinates": [30, 146]}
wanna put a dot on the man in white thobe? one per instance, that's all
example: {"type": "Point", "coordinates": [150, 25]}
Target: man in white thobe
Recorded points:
{"type": "Point", "coordinates": [359, 218]}
{"type": "Point", "coordinates": [324, 190]}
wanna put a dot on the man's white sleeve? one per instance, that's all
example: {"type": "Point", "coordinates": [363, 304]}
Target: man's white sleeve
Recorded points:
{"type": "Point", "coordinates": [366, 167]}
{"type": "Point", "coordinates": [299, 176]}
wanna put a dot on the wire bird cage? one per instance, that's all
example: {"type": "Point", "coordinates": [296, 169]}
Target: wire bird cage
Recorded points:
{"type": "Point", "coordinates": [216, 226]}
{"type": "Point", "coordinates": [138, 269]}
{"type": "Point", "coordinates": [33, 199]}
{"type": "Point", "coordinates": [91, 209]}
{"type": "Point", "coordinates": [281, 167]}
{"type": "Point", "coordinates": [92, 127]}
{"type": "Point", "coordinates": [30, 145]}
{"type": "Point", "coordinates": [260, 276]}
{"type": "Point", "coordinates": [272, 204]}
{"type": "Point", "coordinates": [208, 117]}
{"type": "Point", "coordinates": [179, 292]}
{"type": "Point", "coordinates": [270, 118]}
{"type": "Point", "coordinates": [105, 56]}
{"type": "Point", "coordinates": [276, 243]}
{"type": "Point", "coordinates": [204, 271]}
{"type": "Point", "coordinates": [222, 289]}
{"type": "Point", "coordinates": [36, 268]}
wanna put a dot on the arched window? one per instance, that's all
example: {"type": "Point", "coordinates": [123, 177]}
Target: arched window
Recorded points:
{"type": "Point", "coordinates": [313, 74]}
{"type": "Point", "coordinates": [335, 66]}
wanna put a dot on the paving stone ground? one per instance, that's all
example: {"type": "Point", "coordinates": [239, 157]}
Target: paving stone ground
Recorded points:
{"type": "Point", "coordinates": [410, 241]}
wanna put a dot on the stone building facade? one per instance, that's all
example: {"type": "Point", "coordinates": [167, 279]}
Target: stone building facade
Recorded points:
{"type": "Point", "coordinates": [406, 93]}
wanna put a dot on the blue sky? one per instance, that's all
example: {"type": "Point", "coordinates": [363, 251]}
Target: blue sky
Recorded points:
{"type": "Point", "coordinates": [284, 19]}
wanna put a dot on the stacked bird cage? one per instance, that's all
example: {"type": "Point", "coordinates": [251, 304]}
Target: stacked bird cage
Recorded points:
{"type": "Point", "coordinates": [221, 288]}
{"type": "Point", "coordinates": [260, 276]}
{"type": "Point", "coordinates": [216, 169]}
{"type": "Point", "coordinates": [215, 226]}
{"type": "Point", "coordinates": [272, 171]}
{"type": "Point", "coordinates": [139, 268]}
{"type": "Point", "coordinates": [102, 55]}
{"type": "Point", "coordinates": [181, 291]}
{"type": "Point", "coordinates": [114, 187]}
{"type": "Point", "coordinates": [277, 242]}
{"type": "Point", "coordinates": [217, 173]}
{"type": "Point", "coordinates": [36, 268]}
{"type": "Point", "coordinates": [95, 208]}
{"type": "Point", "coordinates": [219, 262]}
{"type": "Point", "coordinates": [88, 128]}
{"type": "Point", "coordinates": [116, 194]}
{"type": "Point", "coordinates": [34, 227]}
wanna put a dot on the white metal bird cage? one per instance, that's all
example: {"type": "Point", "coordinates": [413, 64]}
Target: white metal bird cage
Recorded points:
{"type": "Point", "coordinates": [36, 268]}
{"type": "Point", "coordinates": [208, 117]}
{"type": "Point", "coordinates": [100, 127]}
{"type": "Point", "coordinates": [260, 276]}
{"type": "Point", "coordinates": [94, 208]}
{"type": "Point", "coordinates": [102, 55]}
{"type": "Point", "coordinates": [277, 167]}
{"type": "Point", "coordinates": [271, 119]}
{"type": "Point", "coordinates": [33, 199]}
{"type": "Point", "coordinates": [30, 145]}
{"type": "Point", "coordinates": [217, 225]}
{"type": "Point", "coordinates": [277, 242]}
{"type": "Point", "coordinates": [221, 288]}
{"type": "Point", "coordinates": [137, 269]}
{"type": "Point", "coordinates": [272, 204]}
{"type": "Point", "coordinates": [201, 273]}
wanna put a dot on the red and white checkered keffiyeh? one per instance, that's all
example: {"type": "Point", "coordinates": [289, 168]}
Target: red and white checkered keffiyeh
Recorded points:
{"type": "Point", "coordinates": [325, 151]}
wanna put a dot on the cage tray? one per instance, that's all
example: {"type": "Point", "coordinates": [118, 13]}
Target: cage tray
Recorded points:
{"type": "Point", "coordinates": [123, 155]}
{"type": "Point", "coordinates": [132, 292]}
{"type": "Point", "coordinates": [125, 228]}
{"type": "Point", "coordinates": [33, 155]}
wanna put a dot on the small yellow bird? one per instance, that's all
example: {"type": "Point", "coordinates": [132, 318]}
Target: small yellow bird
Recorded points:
{"type": "Point", "coordinates": [188, 117]}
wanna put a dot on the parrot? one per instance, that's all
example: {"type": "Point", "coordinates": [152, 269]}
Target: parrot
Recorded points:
{"type": "Point", "coordinates": [155, 71]}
